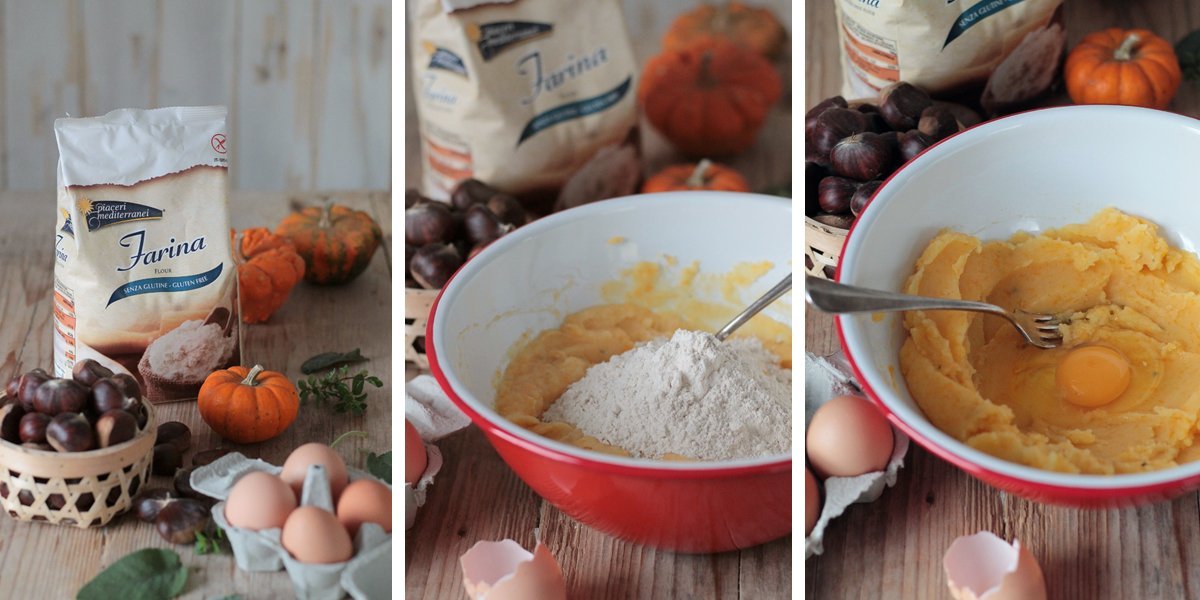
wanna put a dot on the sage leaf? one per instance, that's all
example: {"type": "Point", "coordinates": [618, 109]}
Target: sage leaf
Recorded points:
{"type": "Point", "coordinates": [1188, 52]}
{"type": "Point", "coordinates": [147, 574]}
{"type": "Point", "coordinates": [329, 360]}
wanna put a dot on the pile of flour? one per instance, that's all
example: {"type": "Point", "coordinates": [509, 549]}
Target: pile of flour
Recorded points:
{"type": "Point", "coordinates": [690, 395]}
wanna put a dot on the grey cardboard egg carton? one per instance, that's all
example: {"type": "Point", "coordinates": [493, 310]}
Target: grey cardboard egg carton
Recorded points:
{"type": "Point", "coordinates": [362, 577]}
{"type": "Point", "coordinates": [826, 377]}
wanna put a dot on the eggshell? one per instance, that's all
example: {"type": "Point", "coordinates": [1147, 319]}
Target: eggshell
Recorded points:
{"type": "Point", "coordinates": [314, 536]}
{"type": "Point", "coordinates": [295, 468]}
{"type": "Point", "coordinates": [848, 437]}
{"type": "Point", "coordinates": [365, 501]}
{"type": "Point", "coordinates": [415, 457]}
{"type": "Point", "coordinates": [812, 501]}
{"type": "Point", "coordinates": [985, 567]}
{"type": "Point", "coordinates": [259, 500]}
{"type": "Point", "coordinates": [505, 571]}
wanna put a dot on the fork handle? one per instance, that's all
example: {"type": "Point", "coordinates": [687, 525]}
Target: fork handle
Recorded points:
{"type": "Point", "coordinates": [840, 298]}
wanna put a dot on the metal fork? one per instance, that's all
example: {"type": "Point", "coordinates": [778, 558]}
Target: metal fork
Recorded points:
{"type": "Point", "coordinates": [1039, 329]}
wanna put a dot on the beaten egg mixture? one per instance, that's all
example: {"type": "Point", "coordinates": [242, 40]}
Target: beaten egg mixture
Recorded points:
{"type": "Point", "coordinates": [1132, 303]}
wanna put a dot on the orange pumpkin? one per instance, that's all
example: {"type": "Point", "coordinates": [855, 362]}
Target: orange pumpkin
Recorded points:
{"type": "Point", "coordinates": [268, 269]}
{"type": "Point", "coordinates": [750, 27]}
{"type": "Point", "coordinates": [706, 175]}
{"type": "Point", "coordinates": [709, 98]}
{"type": "Point", "coordinates": [336, 242]}
{"type": "Point", "coordinates": [1117, 66]}
{"type": "Point", "coordinates": [248, 405]}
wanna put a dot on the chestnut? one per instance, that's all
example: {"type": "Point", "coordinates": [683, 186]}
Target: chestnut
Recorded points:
{"type": "Point", "coordinates": [838, 221]}
{"type": "Point", "coordinates": [151, 502]}
{"type": "Point", "coordinates": [183, 486]}
{"type": "Point", "coordinates": [167, 459]}
{"type": "Point", "coordinates": [867, 108]}
{"type": "Point", "coordinates": [863, 157]}
{"type": "Point", "coordinates": [433, 265]}
{"type": "Point", "coordinates": [813, 174]}
{"type": "Point", "coordinates": [88, 372]}
{"type": "Point", "coordinates": [483, 225]}
{"type": "Point", "coordinates": [115, 427]}
{"type": "Point", "coordinates": [11, 416]}
{"type": "Point", "coordinates": [822, 106]}
{"type": "Point", "coordinates": [428, 223]}
{"type": "Point", "coordinates": [60, 396]}
{"type": "Point", "coordinates": [507, 209]}
{"type": "Point", "coordinates": [13, 389]}
{"type": "Point", "coordinates": [937, 123]}
{"type": "Point", "coordinates": [33, 428]}
{"type": "Point", "coordinates": [207, 457]}
{"type": "Point", "coordinates": [175, 433]}
{"type": "Point", "coordinates": [834, 193]}
{"type": "Point", "coordinates": [180, 520]}
{"type": "Point", "coordinates": [901, 105]}
{"type": "Point", "coordinates": [27, 388]}
{"type": "Point", "coordinates": [913, 143]}
{"type": "Point", "coordinates": [835, 124]}
{"type": "Point", "coordinates": [108, 395]}
{"type": "Point", "coordinates": [70, 432]}
{"type": "Point", "coordinates": [127, 384]}
{"type": "Point", "coordinates": [862, 196]}
{"type": "Point", "coordinates": [470, 191]}
{"type": "Point", "coordinates": [412, 198]}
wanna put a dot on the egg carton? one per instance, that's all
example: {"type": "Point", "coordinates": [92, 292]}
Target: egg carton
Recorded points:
{"type": "Point", "coordinates": [434, 416]}
{"type": "Point", "coordinates": [263, 550]}
{"type": "Point", "coordinates": [824, 379]}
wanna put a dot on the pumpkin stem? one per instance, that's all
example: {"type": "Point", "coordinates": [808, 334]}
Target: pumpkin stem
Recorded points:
{"type": "Point", "coordinates": [252, 375]}
{"type": "Point", "coordinates": [696, 179]}
{"type": "Point", "coordinates": [704, 76]}
{"type": "Point", "coordinates": [1125, 50]}
{"type": "Point", "coordinates": [326, 217]}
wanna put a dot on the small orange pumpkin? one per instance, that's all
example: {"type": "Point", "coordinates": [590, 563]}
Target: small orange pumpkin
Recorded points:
{"type": "Point", "coordinates": [750, 27]}
{"type": "Point", "coordinates": [268, 269]}
{"type": "Point", "coordinates": [336, 242]}
{"type": "Point", "coordinates": [1133, 67]}
{"type": "Point", "coordinates": [706, 175]}
{"type": "Point", "coordinates": [709, 98]}
{"type": "Point", "coordinates": [248, 405]}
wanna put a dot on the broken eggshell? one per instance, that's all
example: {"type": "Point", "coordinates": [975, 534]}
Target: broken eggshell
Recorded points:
{"type": "Point", "coordinates": [505, 571]}
{"type": "Point", "coordinates": [985, 567]}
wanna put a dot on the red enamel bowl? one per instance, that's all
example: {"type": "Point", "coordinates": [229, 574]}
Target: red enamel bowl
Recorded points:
{"type": "Point", "coordinates": [527, 281]}
{"type": "Point", "coordinates": [1028, 172]}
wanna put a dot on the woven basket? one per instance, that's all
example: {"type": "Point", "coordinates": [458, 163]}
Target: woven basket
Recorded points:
{"type": "Point", "coordinates": [822, 248]}
{"type": "Point", "coordinates": [417, 303]}
{"type": "Point", "coordinates": [84, 489]}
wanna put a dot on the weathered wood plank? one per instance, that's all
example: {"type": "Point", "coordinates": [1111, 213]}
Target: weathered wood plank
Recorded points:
{"type": "Point", "coordinates": [119, 54]}
{"type": "Point", "coordinates": [196, 58]}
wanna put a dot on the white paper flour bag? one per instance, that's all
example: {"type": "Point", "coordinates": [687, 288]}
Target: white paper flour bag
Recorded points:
{"type": "Point", "coordinates": [144, 277]}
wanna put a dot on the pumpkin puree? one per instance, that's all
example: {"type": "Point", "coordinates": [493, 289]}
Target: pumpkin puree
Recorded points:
{"type": "Point", "coordinates": [648, 302]}
{"type": "Point", "coordinates": [1122, 287]}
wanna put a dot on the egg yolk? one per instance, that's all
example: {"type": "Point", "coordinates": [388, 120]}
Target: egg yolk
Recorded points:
{"type": "Point", "coordinates": [1092, 376]}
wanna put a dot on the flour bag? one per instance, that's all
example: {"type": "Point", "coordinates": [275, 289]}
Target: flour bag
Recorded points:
{"type": "Point", "coordinates": [1012, 48]}
{"type": "Point", "coordinates": [534, 97]}
{"type": "Point", "coordinates": [144, 278]}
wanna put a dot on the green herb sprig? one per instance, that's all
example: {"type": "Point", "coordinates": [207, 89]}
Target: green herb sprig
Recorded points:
{"type": "Point", "coordinates": [210, 543]}
{"type": "Point", "coordinates": [380, 465]}
{"type": "Point", "coordinates": [346, 392]}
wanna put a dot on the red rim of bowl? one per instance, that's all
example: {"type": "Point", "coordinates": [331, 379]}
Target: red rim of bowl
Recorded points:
{"type": "Point", "coordinates": [946, 454]}
{"type": "Point", "coordinates": [530, 444]}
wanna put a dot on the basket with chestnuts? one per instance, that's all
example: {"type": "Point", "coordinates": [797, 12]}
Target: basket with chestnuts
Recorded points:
{"type": "Point", "coordinates": [850, 148]}
{"type": "Point", "coordinates": [73, 451]}
{"type": "Point", "coordinates": [439, 237]}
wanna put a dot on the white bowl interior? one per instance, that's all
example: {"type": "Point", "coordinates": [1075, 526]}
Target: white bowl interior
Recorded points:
{"type": "Point", "coordinates": [1028, 172]}
{"type": "Point", "coordinates": [529, 280]}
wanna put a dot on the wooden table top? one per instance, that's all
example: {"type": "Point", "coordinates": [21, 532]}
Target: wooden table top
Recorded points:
{"type": "Point", "coordinates": [477, 497]}
{"type": "Point", "coordinates": [893, 547]}
{"type": "Point", "coordinates": [45, 561]}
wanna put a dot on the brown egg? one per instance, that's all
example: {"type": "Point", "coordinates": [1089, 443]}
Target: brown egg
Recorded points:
{"type": "Point", "coordinates": [312, 535]}
{"type": "Point", "coordinates": [365, 501]}
{"type": "Point", "coordinates": [295, 468]}
{"type": "Point", "coordinates": [812, 501]}
{"type": "Point", "coordinates": [847, 437]}
{"type": "Point", "coordinates": [415, 456]}
{"type": "Point", "coordinates": [259, 500]}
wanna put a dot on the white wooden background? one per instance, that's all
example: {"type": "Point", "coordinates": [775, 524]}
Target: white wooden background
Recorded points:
{"type": "Point", "coordinates": [308, 82]}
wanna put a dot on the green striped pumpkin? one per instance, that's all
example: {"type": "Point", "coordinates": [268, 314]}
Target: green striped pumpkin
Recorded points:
{"type": "Point", "coordinates": [336, 242]}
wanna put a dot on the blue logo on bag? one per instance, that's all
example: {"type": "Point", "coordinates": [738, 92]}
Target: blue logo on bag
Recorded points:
{"type": "Point", "coordinates": [575, 110]}
{"type": "Point", "coordinates": [975, 14]}
{"type": "Point", "coordinates": [494, 38]}
{"type": "Point", "coordinates": [447, 61]}
{"type": "Point", "coordinates": [165, 284]}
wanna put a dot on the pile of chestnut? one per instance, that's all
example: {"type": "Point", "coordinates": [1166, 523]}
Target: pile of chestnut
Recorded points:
{"type": "Point", "coordinates": [180, 512]}
{"type": "Point", "coordinates": [850, 150]}
{"type": "Point", "coordinates": [440, 237]}
{"type": "Point", "coordinates": [95, 408]}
